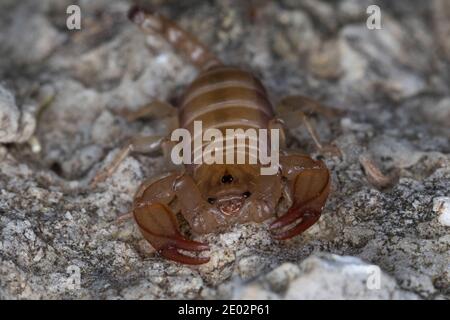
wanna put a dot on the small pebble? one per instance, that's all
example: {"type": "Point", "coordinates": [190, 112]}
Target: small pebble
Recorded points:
{"type": "Point", "coordinates": [441, 205]}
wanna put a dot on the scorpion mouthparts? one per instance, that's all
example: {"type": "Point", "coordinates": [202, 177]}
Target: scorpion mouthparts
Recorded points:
{"type": "Point", "coordinates": [231, 207]}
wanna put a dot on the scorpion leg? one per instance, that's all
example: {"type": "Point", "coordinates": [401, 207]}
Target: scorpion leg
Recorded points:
{"type": "Point", "coordinates": [156, 109]}
{"type": "Point", "coordinates": [142, 144]}
{"type": "Point", "coordinates": [309, 183]}
{"type": "Point", "coordinates": [158, 223]}
{"type": "Point", "coordinates": [295, 111]}
{"type": "Point", "coordinates": [295, 103]}
{"type": "Point", "coordinates": [138, 144]}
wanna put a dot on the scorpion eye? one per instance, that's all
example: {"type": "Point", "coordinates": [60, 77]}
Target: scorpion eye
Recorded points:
{"type": "Point", "coordinates": [211, 200]}
{"type": "Point", "coordinates": [247, 194]}
{"type": "Point", "coordinates": [228, 178]}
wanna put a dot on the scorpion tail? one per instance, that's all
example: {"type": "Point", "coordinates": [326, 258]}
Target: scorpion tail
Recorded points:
{"type": "Point", "coordinates": [180, 39]}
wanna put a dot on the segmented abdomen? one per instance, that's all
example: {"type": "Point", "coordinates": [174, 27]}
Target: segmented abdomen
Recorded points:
{"type": "Point", "coordinates": [226, 97]}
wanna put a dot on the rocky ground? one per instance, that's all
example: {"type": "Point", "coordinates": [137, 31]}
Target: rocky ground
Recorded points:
{"type": "Point", "coordinates": [382, 235]}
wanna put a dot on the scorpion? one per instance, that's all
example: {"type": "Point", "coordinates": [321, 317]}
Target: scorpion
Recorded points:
{"type": "Point", "coordinates": [211, 197]}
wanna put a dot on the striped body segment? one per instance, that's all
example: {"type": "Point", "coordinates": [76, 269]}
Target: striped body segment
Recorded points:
{"type": "Point", "coordinates": [224, 98]}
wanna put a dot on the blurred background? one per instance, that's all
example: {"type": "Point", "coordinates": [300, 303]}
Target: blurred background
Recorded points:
{"type": "Point", "coordinates": [61, 91]}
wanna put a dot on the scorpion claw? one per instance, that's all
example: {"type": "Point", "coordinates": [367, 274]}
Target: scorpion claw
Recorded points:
{"type": "Point", "coordinates": [190, 245]}
{"type": "Point", "coordinates": [293, 214]}
{"type": "Point", "coordinates": [159, 226]}
{"type": "Point", "coordinates": [309, 217]}
{"type": "Point", "coordinates": [172, 253]}
{"type": "Point", "coordinates": [310, 184]}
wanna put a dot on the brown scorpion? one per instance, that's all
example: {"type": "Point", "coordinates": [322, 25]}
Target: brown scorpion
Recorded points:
{"type": "Point", "coordinates": [211, 197]}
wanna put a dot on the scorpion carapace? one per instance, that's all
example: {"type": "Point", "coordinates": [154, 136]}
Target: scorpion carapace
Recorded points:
{"type": "Point", "coordinates": [211, 197]}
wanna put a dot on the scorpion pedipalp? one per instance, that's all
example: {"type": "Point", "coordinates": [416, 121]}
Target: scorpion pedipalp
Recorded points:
{"type": "Point", "coordinates": [159, 226]}
{"type": "Point", "coordinates": [310, 184]}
